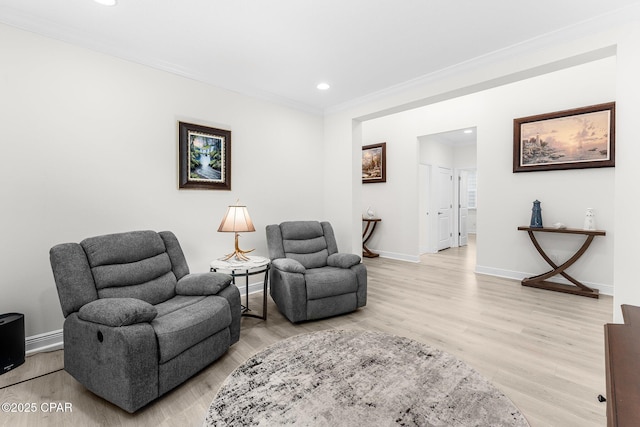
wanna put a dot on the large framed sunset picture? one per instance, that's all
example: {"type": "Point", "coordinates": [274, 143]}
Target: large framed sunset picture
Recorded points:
{"type": "Point", "coordinates": [572, 139]}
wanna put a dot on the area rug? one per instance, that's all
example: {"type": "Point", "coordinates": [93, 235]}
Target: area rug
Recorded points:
{"type": "Point", "coordinates": [358, 378]}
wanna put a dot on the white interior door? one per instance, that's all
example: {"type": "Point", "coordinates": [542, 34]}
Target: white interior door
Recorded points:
{"type": "Point", "coordinates": [463, 207]}
{"type": "Point", "coordinates": [445, 207]}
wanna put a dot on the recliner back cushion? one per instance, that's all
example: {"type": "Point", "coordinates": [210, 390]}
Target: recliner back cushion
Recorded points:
{"type": "Point", "coordinates": [304, 241]}
{"type": "Point", "coordinates": [131, 265]}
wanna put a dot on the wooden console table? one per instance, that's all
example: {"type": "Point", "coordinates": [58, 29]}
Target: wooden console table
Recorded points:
{"type": "Point", "coordinates": [622, 352]}
{"type": "Point", "coordinates": [540, 281]}
{"type": "Point", "coordinates": [366, 235]}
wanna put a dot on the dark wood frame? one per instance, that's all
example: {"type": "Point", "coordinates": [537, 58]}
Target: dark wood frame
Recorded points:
{"type": "Point", "coordinates": [186, 180]}
{"type": "Point", "coordinates": [383, 162]}
{"type": "Point", "coordinates": [518, 124]}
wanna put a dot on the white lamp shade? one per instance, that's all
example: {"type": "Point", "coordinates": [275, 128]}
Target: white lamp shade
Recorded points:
{"type": "Point", "coordinates": [236, 219]}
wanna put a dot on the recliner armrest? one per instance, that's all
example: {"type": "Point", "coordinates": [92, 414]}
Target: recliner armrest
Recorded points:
{"type": "Point", "coordinates": [288, 265]}
{"type": "Point", "coordinates": [343, 260]}
{"type": "Point", "coordinates": [197, 284]}
{"type": "Point", "coordinates": [117, 312]}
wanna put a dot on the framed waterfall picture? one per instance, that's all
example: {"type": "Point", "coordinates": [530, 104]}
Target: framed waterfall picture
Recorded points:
{"type": "Point", "coordinates": [205, 157]}
{"type": "Point", "coordinates": [571, 139]}
{"type": "Point", "coordinates": [374, 163]}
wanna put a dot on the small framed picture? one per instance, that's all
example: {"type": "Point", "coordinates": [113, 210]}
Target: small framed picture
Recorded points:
{"type": "Point", "coordinates": [571, 139]}
{"type": "Point", "coordinates": [374, 163]}
{"type": "Point", "coordinates": [205, 157]}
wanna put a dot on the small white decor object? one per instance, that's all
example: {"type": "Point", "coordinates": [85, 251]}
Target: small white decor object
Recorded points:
{"type": "Point", "coordinates": [370, 212]}
{"type": "Point", "coordinates": [589, 220]}
{"type": "Point", "coordinates": [559, 226]}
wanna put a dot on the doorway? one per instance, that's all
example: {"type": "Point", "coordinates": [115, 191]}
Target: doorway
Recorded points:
{"type": "Point", "coordinates": [447, 165]}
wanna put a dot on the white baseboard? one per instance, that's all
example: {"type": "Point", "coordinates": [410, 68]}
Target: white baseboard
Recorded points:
{"type": "Point", "coordinates": [395, 255]}
{"type": "Point", "coordinates": [518, 275]}
{"type": "Point", "coordinates": [253, 288]}
{"type": "Point", "coordinates": [51, 341]}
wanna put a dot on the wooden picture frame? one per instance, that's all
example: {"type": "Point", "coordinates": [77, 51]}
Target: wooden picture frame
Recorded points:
{"type": "Point", "coordinates": [205, 157]}
{"type": "Point", "coordinates": [572, 139]}
{"type": "Point", "coordinates": [374, 163]}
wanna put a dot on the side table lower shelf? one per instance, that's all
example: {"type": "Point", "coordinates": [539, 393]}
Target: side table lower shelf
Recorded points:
{"type": "Point", "coordinates": [255, 265]}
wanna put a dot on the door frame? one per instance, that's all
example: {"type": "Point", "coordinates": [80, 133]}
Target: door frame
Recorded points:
{"type": "Point", "coordinates": [453, 214]}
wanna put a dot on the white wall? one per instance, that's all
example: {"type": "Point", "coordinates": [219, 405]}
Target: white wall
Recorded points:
{"type": "Point", "coordinates": [504, 197]}
{"type": "Point", "coordinates": [615, 35]}
{"type": "Point", "coordinates": [465, 157]}
{"type": "Point", "coordinates": [627, 204]}
{"type": "Point", "coordinates": [88, 145]}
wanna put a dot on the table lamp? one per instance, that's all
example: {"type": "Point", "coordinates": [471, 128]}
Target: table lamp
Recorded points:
{"type": "Point", "coordinates": [237, 220]}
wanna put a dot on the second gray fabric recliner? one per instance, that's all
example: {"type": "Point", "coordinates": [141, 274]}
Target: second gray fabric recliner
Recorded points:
{"type": "Point", "coordinates": [310, 279]}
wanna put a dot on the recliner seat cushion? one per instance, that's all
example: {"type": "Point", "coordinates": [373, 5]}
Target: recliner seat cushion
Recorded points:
{"type": "Point", "coordinates": [185, 327]}
{"type": "Point", "coordinates": [176, 303]}
{"type": "Point", "coordinates": [329, 281]}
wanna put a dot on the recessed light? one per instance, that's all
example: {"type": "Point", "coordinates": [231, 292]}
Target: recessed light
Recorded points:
{"type": "Point", "coordinates": [468, 131]}
{"type": "Point", "coordinates": [106, 2]}
{"type": "Point", "coordinates": [323, 86]}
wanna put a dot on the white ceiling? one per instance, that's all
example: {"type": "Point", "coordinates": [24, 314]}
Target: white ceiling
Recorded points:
{"type": "Point", "coordinates": [281, 49]}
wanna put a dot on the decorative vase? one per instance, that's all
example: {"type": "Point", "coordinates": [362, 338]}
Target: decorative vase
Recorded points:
{"type": "Point", "coordinates": [536, 215]}
{"type": "Point", "coordinates": [589, 220]}
{"type": "Point", "coordinates": [370, 212]}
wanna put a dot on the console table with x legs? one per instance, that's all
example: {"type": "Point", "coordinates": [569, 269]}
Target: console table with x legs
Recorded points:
{"type": "Point", "coordinates": [540, 281]}
{"type": "Point", "coordinates": [366, 235]}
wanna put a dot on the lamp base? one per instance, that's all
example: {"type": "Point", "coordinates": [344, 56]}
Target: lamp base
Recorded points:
{"type": "Point", "coordinates": [238, 253]}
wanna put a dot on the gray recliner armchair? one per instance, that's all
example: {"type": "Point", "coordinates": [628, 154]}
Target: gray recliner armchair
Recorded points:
{"type": "Point", "coordinates": [137, 324]}
{"type": "Point", "coordinates": [310, 279]}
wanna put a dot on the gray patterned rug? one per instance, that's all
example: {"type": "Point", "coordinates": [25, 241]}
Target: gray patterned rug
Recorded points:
{"type": "Point", "coordinates": [358, 378]}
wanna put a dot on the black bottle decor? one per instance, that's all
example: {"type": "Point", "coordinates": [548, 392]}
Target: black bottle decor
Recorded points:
{"type": "Point", "coordinates": [536, 215]}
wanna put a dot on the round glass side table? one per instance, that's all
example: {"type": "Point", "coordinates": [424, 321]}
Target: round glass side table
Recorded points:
{"type": "Point", "coordinates": [236, 268]}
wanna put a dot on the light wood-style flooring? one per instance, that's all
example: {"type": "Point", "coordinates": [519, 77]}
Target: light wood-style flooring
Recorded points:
{"type": "Point", "coordinates": [543, 349]}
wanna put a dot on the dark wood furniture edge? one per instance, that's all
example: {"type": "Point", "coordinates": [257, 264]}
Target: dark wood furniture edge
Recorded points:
{"type": "Point", "coordinates": [565, 230]}
{"type": "Point", "coordinates": [610, 382]}
{"type": "Point", "coordinates": [622, 353]}
{"type": "Point", "coordinates": [560, 287]}
{"type": "Point", "coordinates": [631, 315]}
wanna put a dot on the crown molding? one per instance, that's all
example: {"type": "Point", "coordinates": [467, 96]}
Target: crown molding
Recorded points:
{"type": "Point", "coordinates": [74, 37]}
{"type": "Point", "coordinates": [582, 29]}
{"type": "Point", "coordinates": [71, 36]}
